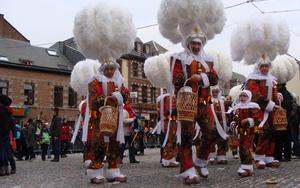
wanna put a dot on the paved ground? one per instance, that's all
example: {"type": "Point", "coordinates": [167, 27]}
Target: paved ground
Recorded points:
{"type": "Point", "coordinates": [70, 173]}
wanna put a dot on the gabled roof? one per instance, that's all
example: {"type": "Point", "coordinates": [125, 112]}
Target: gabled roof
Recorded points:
{"type": "Point", "coordinates": [155, 47]}
{"type": "Point", "coordinates": [13, 28]}
{"type": "Point", "coordinates": [39, 58]}
{"type": "Point", "coordinates": [137, 39]}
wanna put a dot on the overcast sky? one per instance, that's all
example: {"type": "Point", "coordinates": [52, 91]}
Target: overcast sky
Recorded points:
{"type": "Point", "coordinates": [49, 21]}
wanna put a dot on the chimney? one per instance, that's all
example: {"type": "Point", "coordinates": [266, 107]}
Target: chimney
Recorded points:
{"type": "Point", "coordinates": [1, 17]}
{"type": "Point", "coordinates": [1, 24]}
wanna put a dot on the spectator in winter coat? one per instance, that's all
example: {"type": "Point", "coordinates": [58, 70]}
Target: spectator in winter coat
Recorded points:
{"type": "Point", "coordinates": [55, 132]}
{"type": "Point", "coordinates": [31, 138]}
{"type": "Point", "coordinates": [5, 118]}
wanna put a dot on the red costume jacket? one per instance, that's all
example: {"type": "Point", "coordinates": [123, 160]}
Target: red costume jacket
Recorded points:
{"type": "Point", "coordinates": [194, 68]}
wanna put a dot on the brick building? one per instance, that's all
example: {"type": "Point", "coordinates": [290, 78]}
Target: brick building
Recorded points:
{"type": "Point", "coordinates": [143, 93]}
{"type": "Point", "coordinates": [37, 79]}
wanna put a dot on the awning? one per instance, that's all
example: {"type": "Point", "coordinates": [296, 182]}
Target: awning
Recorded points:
{"type": "Point", "coordinates": [20, 111]}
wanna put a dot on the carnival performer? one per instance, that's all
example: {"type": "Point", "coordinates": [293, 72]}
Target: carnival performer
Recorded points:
{"type": "Point", "coordinates": [192, 72]}
{"type": "Point", "coordinates": [105, 90]}
{"type": "Point", "coordinates": [259, 45]}
{"type": "Point", "coordinates": [264, 87]}
{"type": "Point", "coordinates": [196, 70]}
{"type": "Point", "coordinates": [104, 33]}
{"type": "Point", "coordinates": [169, 146]}
{"type": "Point", "coordinates": [220, 107]}
{"type": "Point", "coordinates": [246, 118]}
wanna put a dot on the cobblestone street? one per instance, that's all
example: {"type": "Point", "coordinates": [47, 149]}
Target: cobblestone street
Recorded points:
{"type": "Point", "coordinates": [70, 173]}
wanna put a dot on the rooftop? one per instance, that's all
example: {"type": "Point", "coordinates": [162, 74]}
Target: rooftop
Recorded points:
{"type": "Point", "coordinates": [23, 54]}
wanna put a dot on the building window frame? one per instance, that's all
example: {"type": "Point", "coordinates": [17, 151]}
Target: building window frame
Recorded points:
{"type": "Point", "coordinates": [138, 47]}
{"type": "Point", "coordinates": [4, 87]}
{"type": "Point", "coordinates": [135, 69]}
{"type": "Point", "coordinates": [58, 96]}
{"type": "Point", "coordinates": [135, 88]}
{"type": "Point", "coordinates": [29, 90]}
{"type": "Point", "coordinates": [146, 48]}
{"type": "Point", "coordinates": [144, 94]}
{"type": "Point", "coordinates": [72, 98]}
{"type": "Point", "coordinates": [153, 95]}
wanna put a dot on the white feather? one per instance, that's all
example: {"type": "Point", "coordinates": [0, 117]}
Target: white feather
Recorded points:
{"type": "Point", "coordinates": [82, 74]}
{"type": "Point", "coordinates": [104, 31]}
{"type": "Point", "coordinates": [234, 93]}
{"type": "Point", "coordinates": [157, 70]}
{"type": "Point", "coordinates": [239, 42]}
{"type": "Point", "coordinates": [284, 68]}
{"type": "Point", "coordinates": [284, 34]}
{"type": "Point", "coordinates": [177, 18]}
{"type": "Point", "coordinates": [222, 65]}
{"type": "Point", "coordinates": [258, 36]}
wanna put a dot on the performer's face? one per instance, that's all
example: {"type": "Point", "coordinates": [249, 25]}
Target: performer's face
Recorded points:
{"type": "Point", "coordinates": [264, 69]}
{"type": "Point", "coordinates": [215, 93]}
{"type": "Point", "coordinates": [195, 47]}
{"type": "Point", "coordinates": [109, 72]}
{"type": "Point", "coordinates": [243, 98]}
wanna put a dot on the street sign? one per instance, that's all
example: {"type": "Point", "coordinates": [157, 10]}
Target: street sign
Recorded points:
{"type": "Point", "coordinates": [133, 95]}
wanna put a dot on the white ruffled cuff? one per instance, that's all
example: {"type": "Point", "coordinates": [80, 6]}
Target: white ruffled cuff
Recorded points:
{"type": "Point", "coordinates": [269, 159]}
{"type": "Point", "coordinates": [95, 173]}
{"type": "Point", "coordinates": [205, 80]}
{"type": "Point", "coordinates": [259, 157]}
{"type": "Point", "coordinates": [168, 162]}
{"type": "Point", "coordinates": [113, 173]}
{"type": "Point", "coordinates": [247, 167]}
{"type": "Point", "coordinates": [189, 173]}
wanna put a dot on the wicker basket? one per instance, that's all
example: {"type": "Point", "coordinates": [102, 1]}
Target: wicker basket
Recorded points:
{"type": "Point", "coordinates": [280, 119]}
{"type": "Point", "coordinates": [187, 105]}
{"type": "Point", "coordinates": [108, 120]}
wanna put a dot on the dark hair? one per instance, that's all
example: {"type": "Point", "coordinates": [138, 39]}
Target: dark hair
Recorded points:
{"type": "Point", "coordinates": [30, 120]}
{"type": "Point", "coordinates": [56, 109]}
{"type": "Point", "coordinates": [5, 100]}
